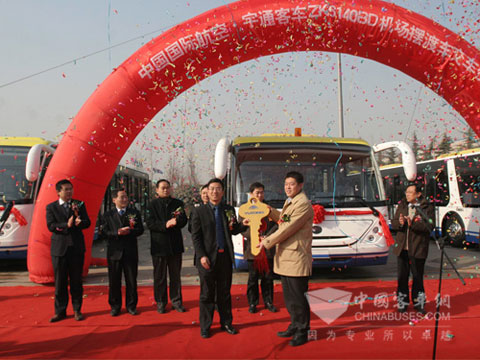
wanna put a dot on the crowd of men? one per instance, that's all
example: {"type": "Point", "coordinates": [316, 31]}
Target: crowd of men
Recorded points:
{"type": "Point", "coordinates": [212, 225]}
{"type": "Point", "coordinates": [285, 243]}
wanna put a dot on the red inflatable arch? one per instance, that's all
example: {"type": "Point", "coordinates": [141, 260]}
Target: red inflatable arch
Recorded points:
{"type": "Point", "coordinates": [158, 72]}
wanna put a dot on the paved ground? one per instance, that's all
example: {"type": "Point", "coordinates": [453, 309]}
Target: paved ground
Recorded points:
{"type": "Point", "coordinates": [14, 273]}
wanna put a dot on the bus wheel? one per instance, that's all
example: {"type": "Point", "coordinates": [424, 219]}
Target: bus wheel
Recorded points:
{"type": "Point", "coordinates": [454, 230]}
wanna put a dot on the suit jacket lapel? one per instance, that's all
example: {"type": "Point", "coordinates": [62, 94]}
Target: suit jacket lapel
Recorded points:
{"type": "Point", "coordinates": [62, 211]}
{"type": "Point", "coordinates": [226, 228]}
{"type": "Point", "coordinates": [292, 203]}
{"type": "Point", "coordinates": [117, 218]}
{"type": "Point", "coordinates": [211, 214]}
{"type": "Point", "coordinates": [285, 207]}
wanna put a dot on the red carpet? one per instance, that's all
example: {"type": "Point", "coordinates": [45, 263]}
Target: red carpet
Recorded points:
{"type": "Point", "coordinates": [26, 333]}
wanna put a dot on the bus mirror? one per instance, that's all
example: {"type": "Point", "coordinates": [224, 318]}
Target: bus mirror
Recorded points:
{"type": "Point", "coordinates": [32, 168]}
{"type": "Point", "coordinates": [408, 157]}
{"type": "Point", "coordinates": [221, 158]}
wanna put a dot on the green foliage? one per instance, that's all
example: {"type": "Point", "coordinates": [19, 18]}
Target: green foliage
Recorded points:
{"type": "Point", "coordinates": [471, 139]}
{"type": "Point", "coordinates": [391, 156]}
{"type": "Point", "coordinates": [415, 146]}
{"type": "Point", "coordinates": [445, 145]}
{"type": "Point", "coordinates": [429, 154]}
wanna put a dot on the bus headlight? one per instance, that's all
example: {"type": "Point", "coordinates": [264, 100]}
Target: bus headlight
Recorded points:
{"type": "Point", "coordinates": [371, 238]}
{"type": "Point", "coordinates": [375, 230]}
{"type": "Point", "coordinates": [7, 226]}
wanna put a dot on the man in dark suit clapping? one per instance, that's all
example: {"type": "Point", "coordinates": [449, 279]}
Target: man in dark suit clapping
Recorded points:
{"type": "Point", "coordinates": [121, 226]}
{"type": "Point", "coordinates": [212, 227]}
{"type": "Point", "coordinates": [165, 218]}
{"type": "Point", "coordinates": [66, 218]}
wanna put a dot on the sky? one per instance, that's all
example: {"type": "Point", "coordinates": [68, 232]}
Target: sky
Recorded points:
{"type": "Point", "coordinates": [82, 41]}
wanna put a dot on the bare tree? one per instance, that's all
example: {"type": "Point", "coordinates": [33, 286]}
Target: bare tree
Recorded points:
{"type": "Point", "coordinates": [172, 172]}
{"type": "Point", "coordinates": [191, 171]}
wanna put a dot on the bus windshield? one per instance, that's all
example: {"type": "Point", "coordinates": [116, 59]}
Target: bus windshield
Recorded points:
{"type": "Point", "coordinates": [13, 183]}
{"type": "Point", "coordinates": [349, 175]}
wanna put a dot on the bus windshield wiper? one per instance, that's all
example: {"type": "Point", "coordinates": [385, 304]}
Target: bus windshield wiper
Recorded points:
{"type": "Point", "coordinates": [320, 200]}
{"type": "Point", "coordinates": [362, 201]}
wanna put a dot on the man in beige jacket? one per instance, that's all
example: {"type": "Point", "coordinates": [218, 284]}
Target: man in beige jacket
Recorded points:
{"type": "Point", "coordinates": [293, 257]}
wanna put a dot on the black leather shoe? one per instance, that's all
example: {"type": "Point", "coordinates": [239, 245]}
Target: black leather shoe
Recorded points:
{"type": "Point", "coordinates": [252, 309]}
{"type": "Point", "coordinates": [402, 309]}
{"type": "Point", "coordinates": [271, 307]}
{"type": "Point", "coordinates": [299, 339]}
{"type": "Point", "coordinates": [115, 312]}
{"type": "Point", "coordinates": [287, 333]}
{"type": "Point", "coordinates": [205, 334]}
{"type": "Point", "coordinates": [132, 311]}
{"type": "Point", "coordinates": [229, 329]}
{"type": "Point", "coordinates": [179, 308]}
{"type": "Point", "coordinates": [78, 316]}
{"type": "Point", "coordinates": [161, 308]}
{"type": "Point", "coordinates": [58, 317]}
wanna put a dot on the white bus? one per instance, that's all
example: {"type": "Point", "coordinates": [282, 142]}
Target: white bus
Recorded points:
{"type": "Point", "coordinates": [15, 187]}
{"type": "Point", "coordinates": [23, 162]}
{"type": "Point", "coordinates": [452, 183]}
{"type": "Point", "coordinates": [340, 174]}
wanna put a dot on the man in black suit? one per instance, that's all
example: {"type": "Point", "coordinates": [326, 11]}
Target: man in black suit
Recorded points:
{"type": "Point", "coordinates": [165, 218]}
{"type": "Point", "coordinates": [121, 226]}
{"type": "Point", "coordinates": [66, 218]}
{"type": "Point", "coordinates": [212, 227]}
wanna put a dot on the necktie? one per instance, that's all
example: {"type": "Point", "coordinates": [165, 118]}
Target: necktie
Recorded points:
{"type": "Point", "coordinates": [121, 212]}
{"type": "Point", "coordinates": [220, 232]}
{"type": "Point", "coordinates": [65, 207]}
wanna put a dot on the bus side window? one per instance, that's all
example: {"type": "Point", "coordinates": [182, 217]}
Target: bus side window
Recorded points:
{"type": "Point", "coordinates": [430, 193]}
{"type": "Point", "coordinates": [442, 186]}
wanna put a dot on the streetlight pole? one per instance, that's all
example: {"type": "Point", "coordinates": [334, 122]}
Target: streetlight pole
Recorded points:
{"type": "Point", "coordinates": [340, 97]}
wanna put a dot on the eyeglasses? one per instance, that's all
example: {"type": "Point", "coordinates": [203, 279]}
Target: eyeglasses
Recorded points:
{"type": "Point", "coordinates": [215, 189]}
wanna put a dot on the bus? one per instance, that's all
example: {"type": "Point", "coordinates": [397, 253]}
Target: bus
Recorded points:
{"type": "Point", "coordinates": [452, 183]}
{"type": "Point", "coordinates": [23, 162]}
{"type": "Point", "coordinates": [14, 187]}
{"type": "Point", "coordinates": [137, 185]}
{"type": "Point", "coordinates": [340, 174]}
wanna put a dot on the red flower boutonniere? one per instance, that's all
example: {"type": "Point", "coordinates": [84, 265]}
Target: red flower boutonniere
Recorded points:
{"type": "Point", "coordinates": [285, 219]}
{"type": "Point", "coordinates": [231, 218]}
{"type": "Point", "coordinates": [76, 205]}
{"type": "Point", "coordinates": [131, 220]}
{"type": "Point", "coordinates": [177, 212]}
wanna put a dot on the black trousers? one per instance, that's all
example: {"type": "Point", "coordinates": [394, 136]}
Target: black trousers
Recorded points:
{"type": "Point", "coordinates": [215, 284]}
{"type": "Point", "coordinates": [67, 270]}
{"type": "Point", "coordinates": [266, 284]}
{"type": "Point", "coordinates": [294, 289]}
{"type": "Point", "coordinates": [405, 265]}
{"type": "Point", "coordinates": [128, 264]}
{"type": "Point", "coordinates": [172, 265]}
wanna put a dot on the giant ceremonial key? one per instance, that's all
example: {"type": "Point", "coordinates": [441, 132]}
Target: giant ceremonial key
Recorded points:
{"type": "Point", "coordinates": [254, 211]}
